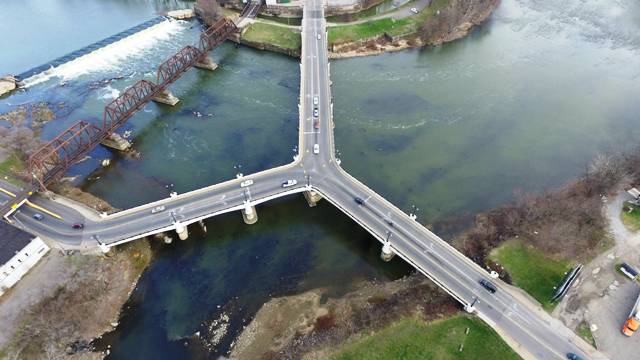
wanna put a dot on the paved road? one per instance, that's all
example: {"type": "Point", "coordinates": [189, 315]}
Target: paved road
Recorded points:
{"type": "Point", "coordinates": [532, 332]}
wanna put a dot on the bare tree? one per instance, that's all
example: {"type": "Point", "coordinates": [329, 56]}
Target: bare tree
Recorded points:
{"type": "Point", "coordinates": [209, 10]}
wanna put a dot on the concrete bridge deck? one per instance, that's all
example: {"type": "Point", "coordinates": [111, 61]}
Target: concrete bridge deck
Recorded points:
{"type": "Point", "coordinates": [529, 330]}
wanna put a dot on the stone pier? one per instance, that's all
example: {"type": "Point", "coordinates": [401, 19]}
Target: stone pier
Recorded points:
{"type": "Point", "coordinates": [117, 142]}
{"type": "Point", "coordinates": [249, 214]}
{"type": "Point", "coordinates": [206, 64]}
{"type": "Point", "coordinates": [7, 84]}
{"type": "Point", "coordinates": [166, 97]}
{"type": "Point", "coordinates": [182, 231]}
{"type": "Point", "coordinates": [387, 253]}
{"type": "Point", "coordinates": [312, 197]}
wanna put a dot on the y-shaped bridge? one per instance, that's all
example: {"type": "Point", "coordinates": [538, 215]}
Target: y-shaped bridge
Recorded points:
{"type": "Point", "coordinates": [316, 171]}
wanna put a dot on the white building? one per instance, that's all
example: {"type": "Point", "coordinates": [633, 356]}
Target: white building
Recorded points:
{"type": "Point", "coordinates": [19, 252]}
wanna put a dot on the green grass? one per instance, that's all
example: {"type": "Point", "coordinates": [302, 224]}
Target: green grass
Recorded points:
{"type": "Point", "coordinates": [9, 167]}
{"type": "Point", "coordinates": [585, 333]}
{"type": "Point", "coordinates": [631, 219]}
{"type": "Point", "coordinates": [532, 270]}
{"type": "Point", "coordinates": [283, 37]}
{"type": "Point", "coordinates": [374, 28]}
{"type": "Point", "coordinates": [370, 12]}
{"type": "Point", "coordinates": [414, 339]}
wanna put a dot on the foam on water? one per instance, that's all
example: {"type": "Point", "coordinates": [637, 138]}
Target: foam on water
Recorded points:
{"type": "Point", "coordinates": [113, 56]}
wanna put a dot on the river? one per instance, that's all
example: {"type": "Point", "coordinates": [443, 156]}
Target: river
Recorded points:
{"type": "Point", "coordinates": [522, 104]}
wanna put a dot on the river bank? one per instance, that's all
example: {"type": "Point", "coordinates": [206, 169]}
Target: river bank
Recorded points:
{"type": "Point", "coordinates": [67, 300]}
{"type": "Point", "coordinates": [440, 22]}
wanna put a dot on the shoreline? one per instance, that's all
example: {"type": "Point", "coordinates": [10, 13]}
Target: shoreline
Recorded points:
{"type": "Point", "coordinates": [433, 32]}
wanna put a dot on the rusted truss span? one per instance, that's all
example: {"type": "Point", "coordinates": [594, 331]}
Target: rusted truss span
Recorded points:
{"type": "Point", "coordinates": [55, 157]}
{"type": "Point", "coordinates": [128, 103]}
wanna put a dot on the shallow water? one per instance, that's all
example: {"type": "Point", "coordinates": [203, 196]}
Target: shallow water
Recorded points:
{"type": "Point", "coordinates": [521, 105]}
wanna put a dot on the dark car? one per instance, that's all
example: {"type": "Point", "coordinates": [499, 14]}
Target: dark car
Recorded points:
{"type": "Point", "coordinates": [78, 226]}
{"type": "Point", "coordinates": [488, 285]}
{"type": "Point", "coordinates": [38, 216]}
{"type": "Point", "coordinates": [572, 356]}
{"type": "Point", "coordinates": [359, 201]}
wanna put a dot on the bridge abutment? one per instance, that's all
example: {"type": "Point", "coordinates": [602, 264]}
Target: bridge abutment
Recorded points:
{"type": "Point", "coordinates": [312, 197]}
{"type": "Point", "coordinates": [206, 64]}
{"type": "Point", "coordinates": [387, 253]}
{"type": "Point", "coordinates": [182, 231]}
{"type": "Point", "coordinates": [249, 214]}
{"type": "Point", "coordinates": [166, 97]}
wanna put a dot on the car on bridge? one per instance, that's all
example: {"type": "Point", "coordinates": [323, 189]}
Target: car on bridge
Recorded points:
{"type": "Point", "coordinates": [289, 183]}
{"type": "Point", "coordinates": [38, 216]}
{"type": "Point", "coordinates": [315, 112]}
{"type": "Point", "coordinates": [246, 183]}
{"type": "Point", "coordinates": [358, 201]}
{"type": "Point", "coordinates": [316, 149]}
{"type": "Point", "coordinates": [316, 124]}
{"type": "Point", "coordinates": [158, 209]}
{"type": "Point", "coordinates": [488, 285]}
{"type": "Point", "coordinates": [78, 226]}
{"type": "Point", "coordinates": [315, 100]}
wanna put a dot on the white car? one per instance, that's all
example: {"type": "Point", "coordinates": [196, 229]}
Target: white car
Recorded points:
{"type": "Point", "coordinates": [316, 149]}
{"type": "Point", "coordinates": [315, 100]}
{"type": "Point", "coordinates": [246, 183]}
{"type": "Point", "coordinates": [158, 209]}
{"type": "Point", "coordinates": [315, 112]}
{"type": "Point", "coordinates": [289, 183]}
{"type": "Point", "coordinates": [319, 36]}
{"type": "Point", "coordinates": [414, 10]}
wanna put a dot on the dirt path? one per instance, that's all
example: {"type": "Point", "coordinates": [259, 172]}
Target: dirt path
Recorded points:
{"type": "Point", "coordinates": [602, 297]}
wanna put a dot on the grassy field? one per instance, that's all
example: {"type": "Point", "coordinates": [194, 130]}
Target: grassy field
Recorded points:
{"type": "Point", "coordinates": [9, 166]}
{"type": "Point", "coordinates": [283, 37]}
{"type": "Point", "coordinates": [531, 270]}
{"type": "Point", "coordinates": [374, 28]}
{"type": "Point", "coordinates": [414, 339]}
{"type": "Point", "coordinates": [585, 333]}
{"type": "Point", "coordinates": [631, 219]}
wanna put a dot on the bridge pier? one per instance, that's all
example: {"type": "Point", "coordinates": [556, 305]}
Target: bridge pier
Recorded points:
{"type": "Point", "coordinates": [206, 64]}
{"type": "Point", "coordinates": [117, 142]}
{"type": "Point", "coordinates": [249, 214]}
{"type": "Point", "coordinates": [166, 97]}
{"type": "Point", "coordinates": [312, 197]}
{"type": "Point", "coordinates": [182, 231]}
{"type": "Point", "coordinates": [387, 253]}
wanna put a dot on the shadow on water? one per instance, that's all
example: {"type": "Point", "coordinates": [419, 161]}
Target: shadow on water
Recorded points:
{"type": "Point", "coordinates": [233, 269]}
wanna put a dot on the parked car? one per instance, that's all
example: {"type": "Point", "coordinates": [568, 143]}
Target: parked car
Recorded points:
{"type": "Point", "coordinates": [38, 216]}
{"type": "Point", "coordinates": [414, 10]}
{"type": "Point", "coordinates": [488, 285]}
{"type": "Point", "coordinates": [246, 183]}
{"type": "Point", "coordinates": [289, 183]}
{"type": "Point", "coordinates": [629, 271]}
{"type": "Point", "coordinates": [316, 149]}
{"type": "Point", "coordinates": [158, 209]}
{"type": "Point", "coordinates": [78, 226]}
